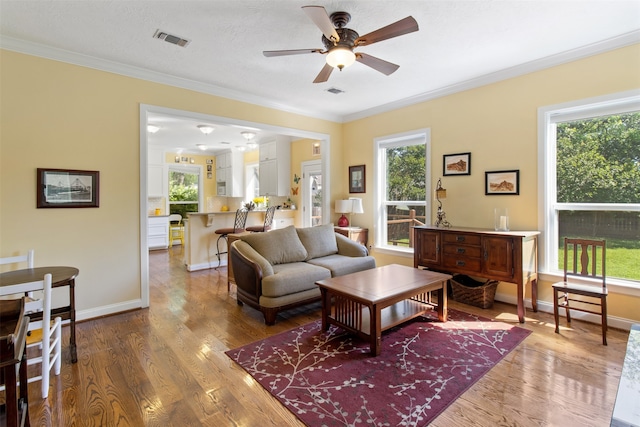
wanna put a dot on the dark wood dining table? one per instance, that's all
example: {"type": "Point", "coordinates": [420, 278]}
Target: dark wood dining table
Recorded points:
{"type": "Point", "coordinates": [60, 276]}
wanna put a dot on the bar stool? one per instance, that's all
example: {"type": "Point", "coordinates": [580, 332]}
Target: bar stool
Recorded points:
{"type": "Point", "coordinates": [238, 227]}
{"type": "Point", "coordinates": [268, 220]}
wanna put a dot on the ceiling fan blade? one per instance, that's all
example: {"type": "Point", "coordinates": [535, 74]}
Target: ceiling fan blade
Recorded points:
{"type": "Point", "coordinates": [320, 17]}
{"type": "Point", "coordinates": [269, 53]}
{"type": "Point", "coordinates": [402, 27]}
{"type": "Point", "coordinates": [324, 74]}
{"type": "Point", "coordinates": [377, 64]}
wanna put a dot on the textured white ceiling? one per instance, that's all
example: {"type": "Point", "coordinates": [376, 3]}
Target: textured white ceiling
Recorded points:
{"type": "Point", "coordinates": [458, 42]}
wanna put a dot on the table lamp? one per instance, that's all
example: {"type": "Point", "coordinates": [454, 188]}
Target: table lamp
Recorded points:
{"type": "Point", "coordinates": [440, 193]}
{"type": "Point", "coordinates": [343, 207]}
{"type": "Point", "coordinates": [356, 207]}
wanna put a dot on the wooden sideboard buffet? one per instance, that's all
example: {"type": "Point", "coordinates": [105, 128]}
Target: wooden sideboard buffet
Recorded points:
{"type": "Point", "coordinates": [507, 256]}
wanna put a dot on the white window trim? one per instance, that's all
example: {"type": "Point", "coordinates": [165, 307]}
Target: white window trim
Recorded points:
{"type": "Point", "coordinates": [548, 116]}
{"type": "Point", "coordinates": [379, 216]}
{"type": "Point", "coordinates": [194, 169]}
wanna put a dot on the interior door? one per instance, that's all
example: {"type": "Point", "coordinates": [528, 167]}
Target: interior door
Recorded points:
{"type": "Point", "coordinates": [312, 194]}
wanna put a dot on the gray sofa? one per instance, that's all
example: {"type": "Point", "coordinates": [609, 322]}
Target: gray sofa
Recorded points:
{"type": "Point", "coordinates": [277, 270]}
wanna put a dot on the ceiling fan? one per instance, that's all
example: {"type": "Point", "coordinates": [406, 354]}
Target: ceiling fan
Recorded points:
{"type": "Point", "coordinates": [340, 41]}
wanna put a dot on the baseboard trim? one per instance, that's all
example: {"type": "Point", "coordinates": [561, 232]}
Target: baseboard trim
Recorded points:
{"type": "Point", "coordinates": [206, 265]}
{"type": "Point", "coordinates": [107, 310]}
{"type": "Point", "coordinates": [547, 307]}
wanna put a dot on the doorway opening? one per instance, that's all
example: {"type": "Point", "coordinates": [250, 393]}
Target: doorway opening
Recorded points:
{"type": "Point", "coordinates": [149, 112]}
{"type": "Point", "coordinates": [312, 193]}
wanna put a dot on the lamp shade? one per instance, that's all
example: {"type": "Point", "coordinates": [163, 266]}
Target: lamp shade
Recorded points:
{"type": "Point", "coordinates": [343, 206]}
{"type": "Point", "coordinates": [356, 205]}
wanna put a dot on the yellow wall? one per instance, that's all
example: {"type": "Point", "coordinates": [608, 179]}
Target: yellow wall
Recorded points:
{"type": "Point", "coordinates": [497, 123]}
{"type": "Point", "coordinates": [59, 115]}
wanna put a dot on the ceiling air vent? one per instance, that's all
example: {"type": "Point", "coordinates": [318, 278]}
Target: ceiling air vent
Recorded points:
{"type": "Point", "coordinates": [169, 38]}
{"type": "Point", "coordinates": [335, 91]}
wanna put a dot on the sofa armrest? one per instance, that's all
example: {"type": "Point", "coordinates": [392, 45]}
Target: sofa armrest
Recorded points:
{"type": "Point", "coordinates": [348, 247]}
{"type": "Point", "coordinates": [249, 268]}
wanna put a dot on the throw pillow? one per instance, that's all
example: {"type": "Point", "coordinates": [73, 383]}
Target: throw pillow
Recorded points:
{"type": "Point", "coordinates": [278, 246]}
{"type": "Point", "coordinates": [319, 241]}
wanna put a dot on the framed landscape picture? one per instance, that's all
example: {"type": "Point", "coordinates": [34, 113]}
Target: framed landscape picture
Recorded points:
{"type": "Point", "coordinates": [502, 182]}
{"type": "Point", "coordinates": [357, 179]}
{"type": "Point", "coordinates": [456, 164]}
{"type": "Point", "coordinates": [66, 188]}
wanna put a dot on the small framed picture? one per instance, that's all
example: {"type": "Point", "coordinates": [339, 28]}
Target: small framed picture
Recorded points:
{"type": "Point", "coordinates": [315, 148]}
{"type": "Point", "coordinates": [502, 183]}
{"type": "Point", "coordinates": [456, 164]}
{"type": "Point", "coordinates": [209, 175]}
{"type": "Point", "coordinates": [357, 178]}
{"type": "Point", "coordinates": [184, 159]}
{"type": "Point", "coordinates": [209, 161]}
{"type": "Point", "coordinates": [209, 168]}
{"type": "Point", "coordinates": [66, 188]}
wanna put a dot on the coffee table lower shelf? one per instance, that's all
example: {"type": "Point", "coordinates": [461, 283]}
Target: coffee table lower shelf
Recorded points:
{"type": "Point", "coordinates": [359, 322]}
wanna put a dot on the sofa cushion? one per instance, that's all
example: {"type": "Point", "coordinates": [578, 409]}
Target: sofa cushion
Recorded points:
{"type": "Point", "coordinates": [278, 246]}
{"type": "Point", "coordinates": [339, 265]}
{"type": "Point", "coordinates": [319, 241]}
{"type": "Point", "coordinates": [292, 278]}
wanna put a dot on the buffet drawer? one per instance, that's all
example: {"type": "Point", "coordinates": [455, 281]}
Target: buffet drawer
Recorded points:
{"type": "Point", "coordinates": [461, 238]}
{"type": "Point", "coordinates": [467, 251]}
{"type": "Point", "coordinates": [466, 263]}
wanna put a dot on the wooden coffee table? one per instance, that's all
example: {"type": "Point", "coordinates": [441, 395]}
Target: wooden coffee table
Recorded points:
{"type": "Point", "coordinates": [371, 301]}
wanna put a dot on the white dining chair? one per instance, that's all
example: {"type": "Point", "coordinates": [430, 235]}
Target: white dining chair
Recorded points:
{"type": "Point", "coordinates": [44, 343]}
{"type": "Point", "coordinates": [27, 258]}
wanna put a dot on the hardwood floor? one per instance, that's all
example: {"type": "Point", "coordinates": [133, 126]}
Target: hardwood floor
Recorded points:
{"type": "Point", "coordinates": [165, 366]}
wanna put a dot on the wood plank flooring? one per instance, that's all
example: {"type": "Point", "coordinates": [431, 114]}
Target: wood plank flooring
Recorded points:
{"type": "Point", "coordinates": [165, 366]}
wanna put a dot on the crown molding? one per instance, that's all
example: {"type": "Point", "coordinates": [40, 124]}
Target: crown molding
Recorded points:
{"type": "Point", "coordinates": [62, 55]}
{"type": "Point", "coordinates": [623, 40]}
{"type": "Point", "coordinates": [55, 54]}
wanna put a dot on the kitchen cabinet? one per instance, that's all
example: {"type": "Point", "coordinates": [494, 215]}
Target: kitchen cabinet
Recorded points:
{"type": "Point", "coordinates": [279, 223]}
{"type": "Point", "coordinates": [507, 256]}
{"type": "Point", "coordinates": [229, 173]}
{"type": "Point", "coordinates": [158, 232]}
{"type": "Point", "coordinates": [275, 166]}
{"type": "Point", "coordinates": [156, 174]}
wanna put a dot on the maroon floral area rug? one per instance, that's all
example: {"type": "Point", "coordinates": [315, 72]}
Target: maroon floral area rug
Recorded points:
{"type": "Point", "coordinates": [330, 379]}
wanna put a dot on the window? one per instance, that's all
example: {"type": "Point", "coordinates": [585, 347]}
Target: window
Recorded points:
{"type": "Point", "coordinates": [592, 181]}
{"type": "Point", "coordinates": [401, 188]}
{"type": "Point", "coordinates": [184, 190]}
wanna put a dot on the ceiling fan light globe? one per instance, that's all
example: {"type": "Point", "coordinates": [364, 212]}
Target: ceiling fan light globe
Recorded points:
{"type": "Point", "coordinates": [341, 57]}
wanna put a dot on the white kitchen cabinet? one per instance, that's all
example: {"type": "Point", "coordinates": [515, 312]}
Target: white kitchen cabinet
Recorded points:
{"type": "Point", "coordinates": [275, 166]}
{"type": "Point", "coordinates": [158, 232]}
{"type": "Point", "coordinates": [229, 171]}
{"type": "Point", "coordinates": [279, 223]}
{"type": "Point", "coordinates": [156, 174]}
{"type": "Point", "coordinates": [268, 150]}
{"type": "Point", "coordinates": [221, 175]}
{"type": "Point", "coordinates": [223, 160]}
{"type": "Point", "coordinates": [269, 177]}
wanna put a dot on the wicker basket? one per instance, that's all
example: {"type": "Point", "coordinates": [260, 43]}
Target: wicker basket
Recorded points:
{"type": "Point", "coordinates": [469, 291]}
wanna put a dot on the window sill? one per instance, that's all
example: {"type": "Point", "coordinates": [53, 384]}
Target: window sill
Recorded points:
{"type": "Point", "coordinates": [616, 286]}
{"type": "Point", "coordinates": [401, 252]}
